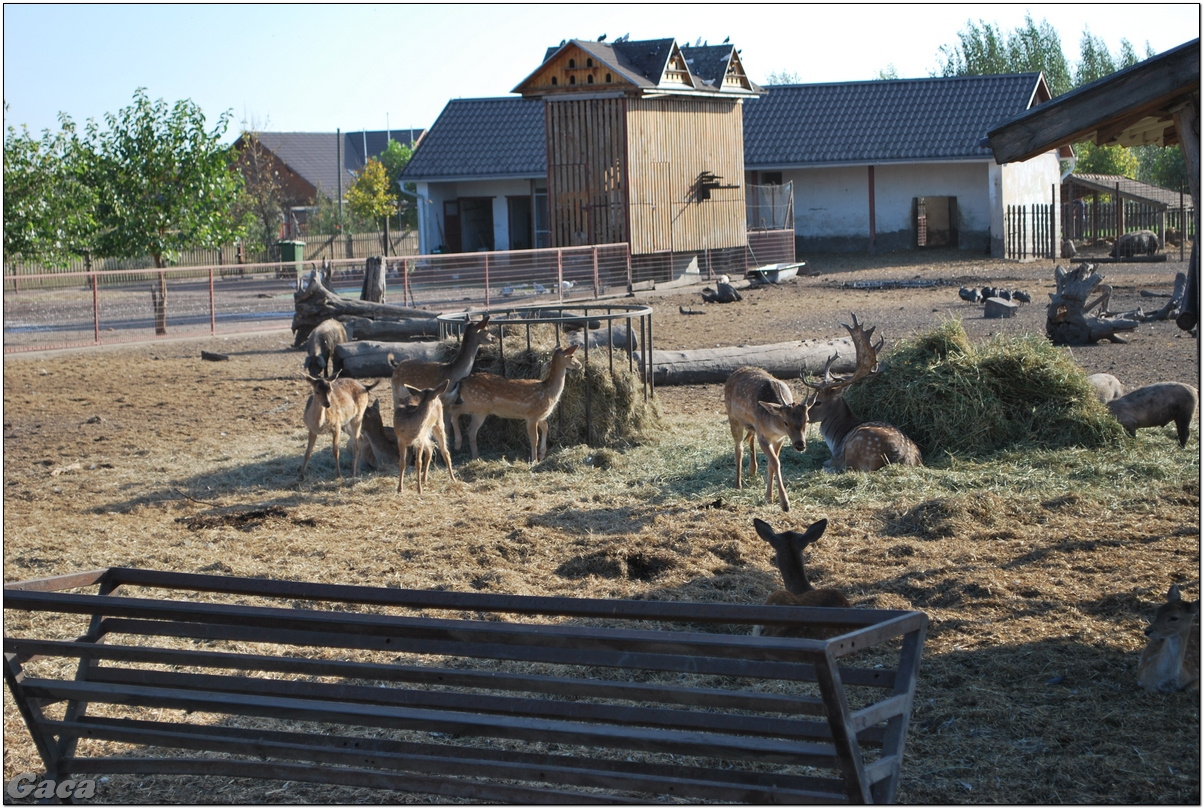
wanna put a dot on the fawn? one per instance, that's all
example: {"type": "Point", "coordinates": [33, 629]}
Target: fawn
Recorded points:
{"type": "Point", "coordinates": [414, 423]}
{"type": "Point", "coordinates": [788, 556]}
{"type": "Point", "coordinates": [1171, 658]}
{"type": "Point", "coordinates": [334, 403]}
{"type": "Point", "coordinates": [762, 407]}
{"type": "Point", "coordinates": [533, 400]}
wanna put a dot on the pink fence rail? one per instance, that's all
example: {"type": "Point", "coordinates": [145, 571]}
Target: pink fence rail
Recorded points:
{"type": "Point", "coordinates": [63, 310]}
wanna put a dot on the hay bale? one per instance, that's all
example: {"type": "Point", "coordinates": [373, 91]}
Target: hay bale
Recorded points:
{"type": "Point", "coordinates": [954, 397]}
{"type": "Point", "coordinates": [618, 414]}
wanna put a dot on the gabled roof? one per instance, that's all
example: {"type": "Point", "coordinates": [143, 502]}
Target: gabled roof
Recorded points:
{"type": "Point", "coordinates": [314, 156]}
{"type": "Point", "coordinates": [1132, 189]}
{"type": "Point", "coordinates": [907, 120]}
{"type": "Point", "coordinates": [885, 121]}
{"type": "Point", "coordinates": [646, 66]}
{"type": "Point", "coordinates": [482, 139]}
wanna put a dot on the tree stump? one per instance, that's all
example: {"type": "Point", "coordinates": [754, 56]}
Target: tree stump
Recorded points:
{"type": "Point", "coordinates": [1067, 322]}
{"type": "Point", "coordinates": [313, 303]}
{"type": "Point", "coordinates": [373, 290]}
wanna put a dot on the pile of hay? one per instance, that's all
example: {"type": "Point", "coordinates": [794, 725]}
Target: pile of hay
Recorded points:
{"type": "Point", "coordinates": [618, 415]}
{"type": "Point", "coordinates": [955, 398]}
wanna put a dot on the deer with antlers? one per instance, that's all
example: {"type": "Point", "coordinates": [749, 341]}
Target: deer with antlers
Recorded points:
{"type": "Point", "coordinates": [857, 445]}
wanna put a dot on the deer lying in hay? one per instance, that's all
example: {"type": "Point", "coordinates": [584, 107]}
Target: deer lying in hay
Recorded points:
{"type": "Point", "coordinates": [857, 445]}
{"type": "Point", "coordinates": [788, 556]}
{"type": "Point", "coordinates": [1171, 658]}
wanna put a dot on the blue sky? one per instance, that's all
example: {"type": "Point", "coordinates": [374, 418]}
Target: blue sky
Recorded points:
{"type": "Point", "coordinates": [315, 68]}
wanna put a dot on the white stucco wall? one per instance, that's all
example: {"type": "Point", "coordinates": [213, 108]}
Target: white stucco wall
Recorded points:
{"type": "Point", "coordinates": [831, 205]}
{"type": "Point", "coordinates": [1032, 182]}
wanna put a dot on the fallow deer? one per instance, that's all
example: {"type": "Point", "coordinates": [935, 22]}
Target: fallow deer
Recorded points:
{"type": "Point", "coordinates": [788, 556]}
{"type": "Point", "coordinates": [1171, 658]}
{"type": "Point", "coordinates": [762, 407]}
{"type": "Point", "coordinates": [415, 423]}
{"type": "Point", "coordinates": [333, 404]}
{"type": "Point", "coordinates": [532, 400]}
{"type": "Point", "coordinates": [857, 445]}
{"type": "Point", "coordinates": [422, 375]}
{"type": "Point", "coordinates": [377, 438]}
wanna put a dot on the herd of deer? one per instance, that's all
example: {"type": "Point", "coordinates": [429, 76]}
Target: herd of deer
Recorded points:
{"type": "Point", "coordinates": [759, 407]}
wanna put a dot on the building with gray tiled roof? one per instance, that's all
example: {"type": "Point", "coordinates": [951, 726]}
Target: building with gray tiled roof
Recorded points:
{"type": "Point", "coordinates": [856, 153]}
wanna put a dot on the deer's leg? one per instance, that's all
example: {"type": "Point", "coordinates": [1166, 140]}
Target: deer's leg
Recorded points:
{"type": "Point", "coordinates": [533, 437]}
{"type": "Point", "coordinates": [335, 438]}
{"type": "Point", "coordinates": [474, 425]}
{"type": "Point", "coordinates": [773, 469]}
{"type": "Point", "coordinates": [738, 436]}
{"type": "Point", "coordinates": [441, 441]}
{"type": "Point", "coordinates": [455, 422]}
{"type": "Point", "coordinates": [313, 437]}
{"type": "Point", "coordinates": [752, 454]}
{"type": "Point", "coordinates": [356, 452]}
{"type": "Point", "coordinates": [401, 472]}
{"type": "Point", "coordinates": [542, 428]}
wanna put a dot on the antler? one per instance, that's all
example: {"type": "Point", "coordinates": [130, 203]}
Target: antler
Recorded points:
{"type": "Point", "coordinates": [866, 364]}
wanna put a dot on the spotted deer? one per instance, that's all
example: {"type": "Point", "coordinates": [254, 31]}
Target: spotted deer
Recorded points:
{"type": "Point", "coordinates": [856, 445]}
{"type": "Point", "coordinates": [421, 374]}
{"type": "Point", "coordinates": [378, 442]}
{"type": "Point", "coordinates": [1171, 658]}
{"type": "Point", "coordinates": [335, 403]}
{"type": "Point", "coordinates": [532, 400]}
{"type": "Point", "coordinates": [761, 407]}
{"type": "Point", "coordinates": [417, 421]}
{"type": "Point", "coordinates": [788, 556]}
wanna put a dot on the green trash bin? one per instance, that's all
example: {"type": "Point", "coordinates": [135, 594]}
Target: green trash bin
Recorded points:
{"type": "Point", "coordinates": [291, 252]}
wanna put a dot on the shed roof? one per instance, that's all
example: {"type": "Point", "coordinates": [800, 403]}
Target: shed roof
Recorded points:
{"type": "Point", "coordinates": [1132, 189]}
{"type": "Point", "coordinates": [891, 121]}
{"type": "Point", "coordinates": [1130, 107]}
{"type": "Point", "coordinates": [482, 139]}
{"type": "Point", "coordinates": [314, 155]}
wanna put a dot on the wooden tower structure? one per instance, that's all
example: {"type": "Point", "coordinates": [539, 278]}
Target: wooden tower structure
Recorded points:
{"type": "Point", "coordinates": [645, 145]}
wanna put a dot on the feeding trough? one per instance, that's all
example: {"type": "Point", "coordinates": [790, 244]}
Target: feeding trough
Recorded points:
{"type": "Point", "coordinates": [774, 273]}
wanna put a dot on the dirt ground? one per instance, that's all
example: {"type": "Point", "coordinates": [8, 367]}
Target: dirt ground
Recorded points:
{"type": "Point", "coordinates": [1037, 593]}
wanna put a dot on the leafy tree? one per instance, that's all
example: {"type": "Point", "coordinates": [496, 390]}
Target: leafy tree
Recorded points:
{"type": "Point", "coordinates": [369, 196]}
{"type": "Point", "coordinates": [888, 72]}
{"type": "Point", "coordinates": [49, 208]}
{"type": "Point", "coordinates": [1094, 159]}
{"type": "Point", "coordinates": [1161, 165]}
{"type": "Point", "coordinates": [164, 183]}
{"type": "Point", "coordinates": [783, 77]}
{"type": "Point", "coordinates": [395, 158]}
{"type": "Point", "coordinates": [261, 202]}
{"type": "Point", "coordinates": [983, 50]}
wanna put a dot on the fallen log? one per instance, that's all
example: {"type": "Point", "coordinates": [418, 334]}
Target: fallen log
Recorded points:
{"type": "Point", "coordinates": [313, 303]}
{"type": "Point", "coordinates": [704, 366]}
{"type": "Point", "coordinates": [361, 328]}
{"type": "Point", "coordinates": [367, 358]}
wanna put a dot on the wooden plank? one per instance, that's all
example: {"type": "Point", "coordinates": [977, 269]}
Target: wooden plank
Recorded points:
{"type": "Point", "coordinates": [66, 582]}
{"type": "Point", "coordinates": [1150, 85]}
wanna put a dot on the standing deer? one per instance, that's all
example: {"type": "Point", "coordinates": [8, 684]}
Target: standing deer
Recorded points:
{"type": "Point", "coordinates": [414, 423]}
{"type": "Point", "coordinates": [422, 375]}
{"type": "Point", "coordinates": [1171, 658]}
{"type": "Point", "coordinates": [760, 406]}
{"type": "Point", "coordinates": [788, 556]}
{"type": "Point", "coordinates": [334, 403]}
{"type": "Point", "coordinates": [857, 445]}
{"type": "Point", "coordinates": [532, 400]}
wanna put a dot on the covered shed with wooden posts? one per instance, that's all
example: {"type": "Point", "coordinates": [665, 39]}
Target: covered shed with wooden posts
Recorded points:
{"type": "Point", "coordinates": [645, 145]}
{"type": "Point", "coordinates": [1085, 214]}
{"type": "Point", "coordinates": [1154, 102]}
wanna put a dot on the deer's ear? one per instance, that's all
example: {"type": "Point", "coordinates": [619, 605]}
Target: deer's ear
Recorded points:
{"type": "Point", "coordinates": [764, 530]}
{"type": "Point", "coordinates": [773, 408]}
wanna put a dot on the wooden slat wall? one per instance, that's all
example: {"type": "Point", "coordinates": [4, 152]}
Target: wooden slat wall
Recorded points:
{"type": "Point", "coordinates": [586, 171]}
{"type": "Point", "coordinates": [670, 141]}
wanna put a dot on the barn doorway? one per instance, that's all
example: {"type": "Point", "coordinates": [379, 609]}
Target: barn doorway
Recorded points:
{"type": "Point", "coordinates": [476, 224]}
{"type": "Point", "coordinates": [935, 221]}
{"type": "Point", "coordinates": [518, 212]}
